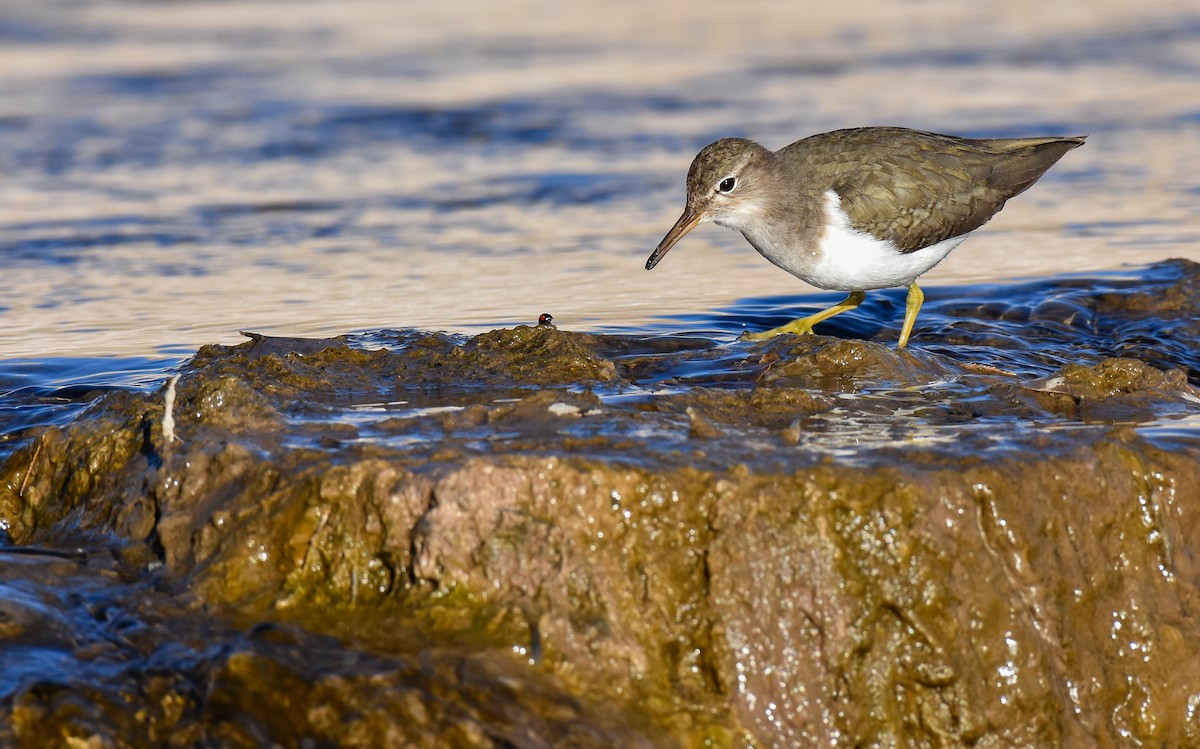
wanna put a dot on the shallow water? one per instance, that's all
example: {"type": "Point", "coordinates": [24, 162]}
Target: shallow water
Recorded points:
{"type": "Point", "coordinates": [176, 173]}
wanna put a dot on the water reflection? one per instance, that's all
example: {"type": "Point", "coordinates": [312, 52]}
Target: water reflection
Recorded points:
{"type": "Point", "coordinates": [174, 176]}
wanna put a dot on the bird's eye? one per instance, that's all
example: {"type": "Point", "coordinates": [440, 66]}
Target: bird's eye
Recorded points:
{"type": "Point", "coordinates": [727, 184]}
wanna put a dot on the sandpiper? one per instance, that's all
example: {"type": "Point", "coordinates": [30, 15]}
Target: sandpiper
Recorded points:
{"type": "Point", "coordinates": [859, 209]}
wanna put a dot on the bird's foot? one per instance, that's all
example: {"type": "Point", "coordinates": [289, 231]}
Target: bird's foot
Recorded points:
{"type": "Point", "coordinates": [803, 326]}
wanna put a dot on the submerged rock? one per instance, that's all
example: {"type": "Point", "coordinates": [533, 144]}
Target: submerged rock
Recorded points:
{"type": "Point", "coordinates": [540, 538]}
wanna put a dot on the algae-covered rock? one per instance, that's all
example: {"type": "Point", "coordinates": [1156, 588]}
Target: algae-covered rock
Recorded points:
{"type": "Point", "coordinates": [81, 466]}
{"type": "Point", "coordinates": [843, 365]}
{"type": "Point", "coordinates": [528, 355]}
{"type": "Point", "coordinates": [540, 538]}
{"type": "Point", "coordinates": [282, 687]}
{"type": "Point", "coordinates": [1114, 390]}
{"type": "Point", "coordinates": [942, 608]}
{"type": "Point", "coordinates": [1176, 298]}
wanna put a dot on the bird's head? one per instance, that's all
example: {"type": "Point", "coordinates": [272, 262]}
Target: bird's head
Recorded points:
{"type": "Point", "coordinates": [725, 185]}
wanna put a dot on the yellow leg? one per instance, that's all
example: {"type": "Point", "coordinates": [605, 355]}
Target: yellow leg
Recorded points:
{"type": "Point", "coordinates": [805, 324]}
{"type": "Point", "coordinates": [911, 308]}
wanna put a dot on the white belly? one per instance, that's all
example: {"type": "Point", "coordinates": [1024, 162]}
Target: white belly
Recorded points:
{"type": "Point", "coordinates": [845, 259]}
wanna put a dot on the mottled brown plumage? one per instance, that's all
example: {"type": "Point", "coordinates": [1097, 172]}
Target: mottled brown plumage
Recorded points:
{"type": "Point", "coordinates": [862, 208]}
{"type": "Point", "coordinates": [915, 188]}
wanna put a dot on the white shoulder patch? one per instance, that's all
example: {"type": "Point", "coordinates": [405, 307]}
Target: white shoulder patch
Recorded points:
{"type": "Point", "coordinates": [851, 260]}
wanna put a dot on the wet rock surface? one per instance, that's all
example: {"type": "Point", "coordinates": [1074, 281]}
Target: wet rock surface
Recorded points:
{"type": "Point", "coordinates": [535, 537]}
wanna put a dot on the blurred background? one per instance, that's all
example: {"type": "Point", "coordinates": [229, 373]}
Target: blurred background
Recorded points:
{"type": "Point", "coordinates": [171, 173]}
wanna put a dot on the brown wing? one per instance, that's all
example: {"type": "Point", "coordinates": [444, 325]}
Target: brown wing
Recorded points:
{"type": "Point", "coordinates": [918, 188]}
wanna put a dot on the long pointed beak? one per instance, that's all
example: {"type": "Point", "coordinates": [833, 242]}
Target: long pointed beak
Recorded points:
{"type": "Point", "coordinates": [686, 223]}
